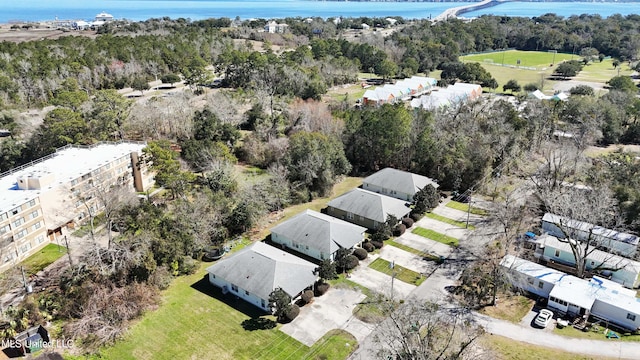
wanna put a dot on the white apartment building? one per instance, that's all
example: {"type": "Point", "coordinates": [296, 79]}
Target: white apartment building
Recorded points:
{"type": "Point", "coordinates": [43, 200]}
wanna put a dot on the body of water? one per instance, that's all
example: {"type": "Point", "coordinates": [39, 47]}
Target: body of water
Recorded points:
{"type": "Point", "coordinates": [566, 9]}
{"type": "Point", "coordinates": [35, 10]}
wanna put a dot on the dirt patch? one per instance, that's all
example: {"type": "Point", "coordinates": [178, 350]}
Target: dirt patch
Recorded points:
{"type": "Point", "coordinates": [595, 151]}
{"type": "Point", "coordinates": [510, 308]}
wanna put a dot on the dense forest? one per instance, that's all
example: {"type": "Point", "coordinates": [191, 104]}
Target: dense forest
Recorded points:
{"type": "Point", "coordinates": [268, 115]}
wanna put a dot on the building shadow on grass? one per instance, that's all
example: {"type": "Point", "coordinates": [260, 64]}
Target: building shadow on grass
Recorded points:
{"type": "Point", "coordinates": [257, 320]}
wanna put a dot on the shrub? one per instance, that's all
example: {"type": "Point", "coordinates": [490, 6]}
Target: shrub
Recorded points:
{"type": "Point", "coordinates": [321, 288]}
{"type": "Point", "coordinates": [377, 244]}
{"type": "Point", "coordinates": [368, 246]}
{"type": "Point", "coordinates": [360, 253]}
{"type": "Point", "coordinates": [399, 230]}
{"type": "Point", "coordinates": [161, 278]}
{"type": "Point", "coordinates": [307, 296]}
{"type": "Point", "coordinates": [408, 222]}
{"type": "Point", "coordinates": [416, 216]}
{"type": "Point", "coordinates": [292, 312]}
{"type": "Point", "coordinates": [350, 262]}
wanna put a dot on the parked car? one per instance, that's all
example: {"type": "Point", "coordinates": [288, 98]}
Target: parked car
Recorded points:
{"type": "Point", "coordinates": [544, 318]}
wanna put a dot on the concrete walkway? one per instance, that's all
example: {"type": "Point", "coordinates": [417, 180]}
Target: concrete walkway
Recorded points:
{"type": "Point", "coordinates": [379, 282]}
{"type": "Point", "coordinates": [423, 244]}
{"type": "Point", "coordinates": [406, 259]}
{"type": "Point", "coordinates": [443, 228]}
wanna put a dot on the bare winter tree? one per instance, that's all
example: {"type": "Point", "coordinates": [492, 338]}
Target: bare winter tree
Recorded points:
{"type": "Point", "coordinates": [580, 215]}
{"type": "Point", "coordinates": [427, 331]}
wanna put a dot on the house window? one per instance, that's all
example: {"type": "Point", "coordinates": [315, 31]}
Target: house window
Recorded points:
{"type": "Point", "coordinates": [557, 253]}
{"type": "Point", "coordinates": [4, 216]}
{"type": "Point", "coordinates": [34, 214]}
{"type": "Point", "coordinates": [246, 292]}
{"type": "Point", "coordinates": [24, 248]}
{"type": "Point", "coordinates": [4, 229]}
{"type": "Point", "coordinates": [36, 226]}
{"type": "Point", "coordinates": [213, 276]}
{"type": "Point", "coordinates": [540, 284]}
{"type": "Point", "coordinates": [21, 234]}
{"type": "Point", "coordinates": [307, 247]}
{"type": "Point", "coordinates": [350, 216]}
{"type": "Point", "coordinates": [15, 211]}
{"type": "Point", "coordinates": [631, 317]}
{"type": "Point", "coordinates": [592, 263]}
{"type": "Point", "coordinates": [234, 288]}
{"type": "Point", "coordinates": [530, 281]}
{"type": "Point", "coordinates": [264, 303]}
{"type": "Point", "coordinates": [40, 239]}
{"type": "Point", "coordinates": [32, 203]}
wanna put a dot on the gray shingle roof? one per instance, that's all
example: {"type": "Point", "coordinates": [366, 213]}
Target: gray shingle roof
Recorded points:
{"type": "Point", "coordinates": [398, 180]}
{"type": "Point", "coordinates": [261, 268]}
{"type": "Point", "coordinates": [370, 205]}
{"type": "Point", "coordinates": [319, 231]}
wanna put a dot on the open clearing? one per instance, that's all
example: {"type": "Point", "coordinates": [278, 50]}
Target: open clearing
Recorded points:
{"type": "Point", "coordinates": [43, 258]}
{"type": "Point", "coordinates": [196, 319]}
{"type": "Point", "coordinates": [538, 59]}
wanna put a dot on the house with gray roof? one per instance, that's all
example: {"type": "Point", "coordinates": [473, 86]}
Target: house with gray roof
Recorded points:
{"type": "Point", "coordinates": [254, 272]}
{"type": "Point", "coordinates": [399, 184]}
{"type": "Point", "coordinates": [367, 208]}
{"type": "Point", "coordinates": [317, 235]}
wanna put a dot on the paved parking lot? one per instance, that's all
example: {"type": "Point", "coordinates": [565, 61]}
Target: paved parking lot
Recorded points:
{"type": "Point", "coordinates": [333, 310]}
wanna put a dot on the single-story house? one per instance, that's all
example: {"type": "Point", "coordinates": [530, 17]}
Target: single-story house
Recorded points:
{"type": "Point", "coordinates": [399, 184]}
{"type": "Point", "coordinates": [600, 298]}
{"type": "Point", "coordinates": [474, 91]}
{"type": "Point", "coordinates": [254, 272]}
{"type": "Point", "coordinates": [531, 277]}
{"type": "Point", "coordinates": [560, 226]}
{"type": "Point", "coordinates": [367, 208]}
{"type": "Point", "coordinates": [317, 235]}
{"type": "Point", "coordinates": [622, 270]}
{"type": "Point", "coordinates": [378, 96]}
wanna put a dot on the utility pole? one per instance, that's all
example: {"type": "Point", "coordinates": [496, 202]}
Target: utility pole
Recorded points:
{"type": "Point", "coordinates": [468, 210]}
{"type": "Point", "coordinates": [392, 265]}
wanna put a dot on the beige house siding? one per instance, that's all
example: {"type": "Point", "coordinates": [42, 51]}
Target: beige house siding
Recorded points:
{"type": "Point", "coordinates": [22, 232]}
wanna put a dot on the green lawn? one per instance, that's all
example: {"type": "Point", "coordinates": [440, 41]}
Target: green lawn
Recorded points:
{"type": "Point", "coordinates": [406, 248]}
{"type": "Point", "coordinates": [445, 219]}
{"type": "Point", "coordinates": [43, 258]}
{"type": "Point", "coordinates": [402, 273]}
{"type": "Point", "coordinates": [465, 207]}
{"type": "Point", "coordinates": [527, 58]}
{"type": "Point", "coordinates": [195, 321]}
{"type": "Point", "coordinates": [595, 333]}
{"type": "Point", "coordinates": [436, 236]}
{"type": "Point", "coordinates": [508, 349]}
{"type": "Point", "coordinates": [602, 71]}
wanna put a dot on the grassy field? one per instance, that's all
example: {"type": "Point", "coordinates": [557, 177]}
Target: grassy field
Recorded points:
{"type": "Point", "coordinates": [596, 333]}
{"type": "Point", "coordinates": [511, 308]}
{"type": "Point", "coordinates": [196, 321]}
{"type": "Point", "coordinates": [43, 258]}
{"type": "Point", "coordinates": [402, 273]}
{"type": "Point", "coordinates": [508, 349]}
{"type": "Point", "coordinates": [465, 207]}
{"type": "Point", "coordinates": [436, 236]}
{"type": "Point", "coordinates": [409, 249]}
{"type": "Point", "coordinates": [538, 59]}
{"type": "Point", "coordinates": [446, 220]}
{"type": "Point", "coordinates": [602, 71]}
